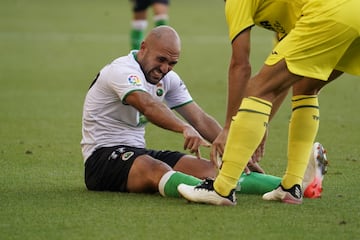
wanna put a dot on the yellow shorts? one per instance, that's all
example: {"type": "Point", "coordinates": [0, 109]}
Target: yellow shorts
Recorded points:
{"type": "Point", "coordinates": [321, 41]}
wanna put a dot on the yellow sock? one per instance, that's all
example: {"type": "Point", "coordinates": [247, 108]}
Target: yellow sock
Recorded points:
{"type": "Point", "coordinates": [303, 127]}
{"type": "Point", "coordinates": [245, 134]}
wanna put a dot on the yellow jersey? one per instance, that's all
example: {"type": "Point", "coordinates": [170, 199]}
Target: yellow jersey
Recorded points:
{"type": "Point", "coordinates": [279, 16]}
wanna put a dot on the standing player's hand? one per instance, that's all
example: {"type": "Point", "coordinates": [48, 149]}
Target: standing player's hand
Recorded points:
{"type": "Point", "coordinates": [253, 164]}
{"type": "Point", "coordinates": [260, 151]}
{"type": "Point", "coordinates": [217, 148]}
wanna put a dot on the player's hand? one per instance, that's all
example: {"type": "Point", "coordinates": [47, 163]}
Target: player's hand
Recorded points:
{"type": "Point", "coordinates": [217, 148]}
{"type": "Point", "coordinates": [260, 151]}
{"type": "Point", "coordinates": [193, 141]}
{"type": "Point", "coordinates": [253, 167]}
{"type": "Point", "coordinates": [253, 164]}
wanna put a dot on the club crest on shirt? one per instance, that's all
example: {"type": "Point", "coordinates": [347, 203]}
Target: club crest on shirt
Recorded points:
{"type": "Point", "coordinates": [159, 90]}
{"type": "Point", "coordinates": [134, 80]}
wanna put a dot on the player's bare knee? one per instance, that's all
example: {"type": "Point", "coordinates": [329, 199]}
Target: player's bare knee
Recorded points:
{"type": "Point", "coordinates": [145, 174]}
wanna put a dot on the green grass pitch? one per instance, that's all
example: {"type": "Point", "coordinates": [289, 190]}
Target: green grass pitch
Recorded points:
{"type": "Point", "coordinates": [49, 53]}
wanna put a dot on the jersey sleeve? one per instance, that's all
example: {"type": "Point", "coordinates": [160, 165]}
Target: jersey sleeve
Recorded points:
{"type": "Point", "coordinates": [177, 93]}
{"type": "Point", "coordinates": [125, 82]}
{"type": "Point", "coordinates": [239, 16]}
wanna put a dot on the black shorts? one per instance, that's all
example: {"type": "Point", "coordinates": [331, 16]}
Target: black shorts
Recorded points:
{"type": "Point", "coordinates": [107, 169]}
{"type": "Point", "coordinates": [141, 5]}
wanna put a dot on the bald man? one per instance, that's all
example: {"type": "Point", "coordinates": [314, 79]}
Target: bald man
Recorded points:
{"type": "Point", "coordinates": [126, 94]}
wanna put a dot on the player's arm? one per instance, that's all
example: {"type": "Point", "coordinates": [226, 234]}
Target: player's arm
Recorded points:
{"type": "Point", "coordinates": [205, 124]}
{"type": "Point", "coordinates": [159, 114]}
{"type": "Point", "coordinates": [238, 77]}
{"type": "Point", "coordinates": [238, 74]}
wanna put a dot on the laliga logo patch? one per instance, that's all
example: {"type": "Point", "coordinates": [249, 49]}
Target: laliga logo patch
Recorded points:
{"type": "Point", "coordinates": [134, 80]}
{"type": "Point", "coordinates": [126, 156]}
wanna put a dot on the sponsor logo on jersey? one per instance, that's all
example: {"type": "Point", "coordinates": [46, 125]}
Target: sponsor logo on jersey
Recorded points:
{"type": "Point", "coordinates": [134, 80]}
{"type": "Point", "coordinates": [273, 26]}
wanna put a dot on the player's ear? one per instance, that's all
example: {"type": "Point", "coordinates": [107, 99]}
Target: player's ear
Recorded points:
{"type": "Point", "coordinates": [143, 45]}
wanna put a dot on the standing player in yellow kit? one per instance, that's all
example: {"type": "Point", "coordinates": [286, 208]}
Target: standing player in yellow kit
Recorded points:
{"type": "Point", "coordinates": [319, 40]}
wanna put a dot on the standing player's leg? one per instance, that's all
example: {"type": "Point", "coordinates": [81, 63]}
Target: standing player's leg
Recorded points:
{"type": "Point", "coordinates": [315, 58]}
{"type": "Point", "coordinates": [161, 15]}
{"type": "Point", "coordinates": [139, 22]}
{"type": "Point", "coordinates": [246, 132]}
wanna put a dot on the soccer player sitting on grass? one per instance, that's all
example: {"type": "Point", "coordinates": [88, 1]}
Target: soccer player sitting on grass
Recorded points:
{"type": "Point", "coordinates": [128, 93]}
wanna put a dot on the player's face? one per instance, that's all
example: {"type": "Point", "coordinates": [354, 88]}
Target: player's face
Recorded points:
{"type": "Point", "coordinates": [157, 62]}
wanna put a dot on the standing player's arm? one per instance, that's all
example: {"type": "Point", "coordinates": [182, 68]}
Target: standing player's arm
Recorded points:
{"type": "Point", "coordinates": [238, 77]}
{"type": "Point", "coordinates": [205, 124]}
{"type": "Point", "coordinates": [239, 73]}
{"type": "Point", "coordinates": [159, 114]}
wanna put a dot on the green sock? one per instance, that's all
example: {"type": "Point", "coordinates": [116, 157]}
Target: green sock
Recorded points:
{"type": "Point", "coordinates": [254, 183]}
{"type": "Point", "coordinates": [170, 181]}
{"type": "Point", "coordinates": [136, 37]}
{"type": "Point", "coordinates": [161, 19]}
{"type": "Point", "coordinates": [161, 22]}
{"type": "Point", "coordinates": [257, 183]}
